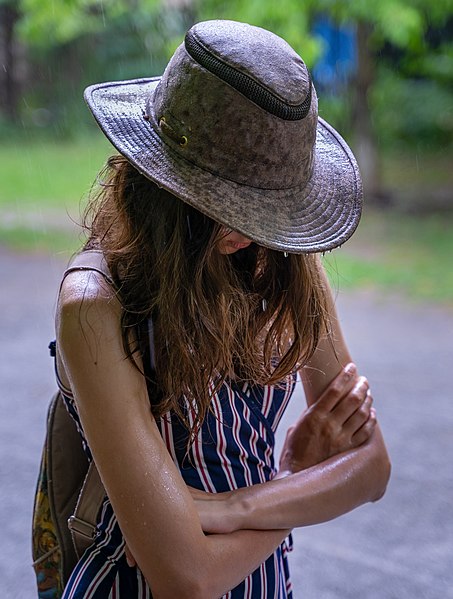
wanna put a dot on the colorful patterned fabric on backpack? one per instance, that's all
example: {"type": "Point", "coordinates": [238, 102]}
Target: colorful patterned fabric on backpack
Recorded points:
{"type": "Point", "coordinates": [46, 550]}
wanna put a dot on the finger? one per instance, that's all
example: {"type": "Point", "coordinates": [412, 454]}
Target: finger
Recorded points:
{"type": "Point", "coordinates": [359, 417]}
{"type": "Point", "coordinates": [129, 557]}
{"type": "Point", "coordinates": [341, 385]}
{"type": "Point", "coordinates": [352, 401]}
{"type": "Point", "coordinates": [366, 431]}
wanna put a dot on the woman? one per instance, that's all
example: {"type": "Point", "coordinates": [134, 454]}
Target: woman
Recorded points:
{"type": "Point", "coordinates": [210, 222]}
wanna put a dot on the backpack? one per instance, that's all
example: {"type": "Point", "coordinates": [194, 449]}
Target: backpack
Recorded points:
{"type": "Point", "coordinates": [69, 491]}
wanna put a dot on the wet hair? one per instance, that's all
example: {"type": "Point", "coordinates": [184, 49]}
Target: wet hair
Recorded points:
{"type": "Point", "coordinates": [253, 316]}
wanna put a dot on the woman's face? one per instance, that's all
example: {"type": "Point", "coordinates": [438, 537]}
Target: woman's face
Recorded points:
{"type": "Point", "coordinates": [231, 242]}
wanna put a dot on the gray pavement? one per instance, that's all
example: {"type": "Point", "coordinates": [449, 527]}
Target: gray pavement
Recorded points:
{"type": "Point", "coordinates": [399, 548]}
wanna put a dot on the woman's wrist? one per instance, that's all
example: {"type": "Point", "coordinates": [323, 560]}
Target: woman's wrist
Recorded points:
{"type": "Point", "coordinates": [223, 513]}
{"type": "Point", "coordinates": [290, 465]}
{"type": "Point", "coordinates": [240, 506]}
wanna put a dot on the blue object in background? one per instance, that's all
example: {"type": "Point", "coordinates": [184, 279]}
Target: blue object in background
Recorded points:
{"type": "Point", "coordinates": [338, 64]}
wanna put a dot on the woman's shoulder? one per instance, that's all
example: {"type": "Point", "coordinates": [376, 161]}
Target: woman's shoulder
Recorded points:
{"type": "Point", "coordinates": [87, 279]}
{"type": "Point", "coordinates": [86, 287]}
{"type": "Point", "coordinates": [87, 304]}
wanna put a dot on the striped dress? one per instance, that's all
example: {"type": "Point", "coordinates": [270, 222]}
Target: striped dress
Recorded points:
{"type": "Point", "coordinates": [234, 448]}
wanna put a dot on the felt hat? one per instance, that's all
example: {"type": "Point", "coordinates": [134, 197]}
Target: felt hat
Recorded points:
{"type": "Point", "coordinates": [232, 129]}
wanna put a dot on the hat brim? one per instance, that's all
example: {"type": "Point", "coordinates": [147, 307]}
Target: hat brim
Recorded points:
{"type": "Point", "coordinates": [316, 217]}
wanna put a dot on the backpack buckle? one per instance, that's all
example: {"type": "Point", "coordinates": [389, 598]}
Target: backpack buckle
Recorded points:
{"type": "Point", "coordinates": [81, 527]}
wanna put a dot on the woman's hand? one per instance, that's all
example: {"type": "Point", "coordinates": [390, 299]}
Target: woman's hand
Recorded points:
{"type": "Point", "coordinates": [341, 419]}
{"type": "Point", "coordinates": [130, 559]}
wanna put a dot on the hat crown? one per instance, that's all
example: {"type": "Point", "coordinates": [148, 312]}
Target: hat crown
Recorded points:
{"type": "Point", "coordinates": [257, 53]}
{"type": "Point", "coordinates": [238, 101]}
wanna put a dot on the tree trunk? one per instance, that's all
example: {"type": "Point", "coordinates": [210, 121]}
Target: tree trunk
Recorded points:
{"type": "Point", "coordinates": [11, 92]}
{"type": "Point", "coordinates": [364, 137]}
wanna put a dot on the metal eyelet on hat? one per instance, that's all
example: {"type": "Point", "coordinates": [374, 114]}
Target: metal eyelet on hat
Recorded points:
{"type": "Point", "coordinates": [182, 140]}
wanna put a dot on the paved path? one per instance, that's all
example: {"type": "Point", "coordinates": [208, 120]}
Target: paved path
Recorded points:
{"type": "Point", "coordinates": [399, 548]}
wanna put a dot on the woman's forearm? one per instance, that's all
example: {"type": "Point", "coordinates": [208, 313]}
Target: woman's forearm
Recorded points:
{"type": "Point", "coordinates": [317, 494]}
{"type": "Point", "coordinates": [230, 558]}
{"type": "Point", "coordinates": [236, 555]}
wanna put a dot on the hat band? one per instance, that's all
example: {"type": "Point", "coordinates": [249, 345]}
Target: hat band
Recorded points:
{"type": "Point", "coordinates": [250, 88]}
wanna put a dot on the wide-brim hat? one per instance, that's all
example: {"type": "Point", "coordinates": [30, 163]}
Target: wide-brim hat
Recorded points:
{"type": "Point", "coordinates": [232, 129]}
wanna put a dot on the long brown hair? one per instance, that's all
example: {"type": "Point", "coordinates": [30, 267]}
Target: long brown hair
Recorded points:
{"type": "Point", "coordinates": [255, 315]}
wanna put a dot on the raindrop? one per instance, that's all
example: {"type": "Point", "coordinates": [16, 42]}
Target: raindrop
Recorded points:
{"type": "Point", "coordinates": [101, 2]}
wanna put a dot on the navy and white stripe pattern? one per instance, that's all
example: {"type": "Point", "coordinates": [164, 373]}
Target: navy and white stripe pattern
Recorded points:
{"type": "Point", "coordinates": [233, 449]}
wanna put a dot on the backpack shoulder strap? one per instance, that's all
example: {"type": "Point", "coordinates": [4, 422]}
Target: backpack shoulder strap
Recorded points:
{"type": "Point", "coordinates": [82, 522]}
{"type": "Point", "coordinates": [93, 260]}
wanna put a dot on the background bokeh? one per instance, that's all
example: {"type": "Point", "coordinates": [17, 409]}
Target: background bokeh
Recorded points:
{"type": "Point", "coordinates": [383, 71]}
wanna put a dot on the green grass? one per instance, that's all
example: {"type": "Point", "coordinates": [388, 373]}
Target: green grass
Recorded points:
{"type": "Point", "coordinates": [53, 174]}
{"type": "Point", "coordinates": [398, 252]}
{"type": "Point", "coordinates": [419, 170]}
{"type": "Point", "coordinates": [40, 178]}
{"type": "Point", "coordinates": [390, 250]}
{"type": "Point", "coordinates": [23, 239]}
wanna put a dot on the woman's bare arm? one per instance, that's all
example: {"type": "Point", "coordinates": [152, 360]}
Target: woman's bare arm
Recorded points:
{"type": "Point", "coordinates": [334, 486]}
{"type": "Point", "coordinates": [331, 354]}
{"type": "Point", "coordinates": [154, 508]}
{"type": "Point", "coordinates": [303, 495]}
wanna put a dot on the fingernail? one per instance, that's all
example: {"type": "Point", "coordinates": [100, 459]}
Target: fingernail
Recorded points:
{"type": "Point", "coordinates": [130, 563]}
{"type": "Point", "coordinates": [350, 369]}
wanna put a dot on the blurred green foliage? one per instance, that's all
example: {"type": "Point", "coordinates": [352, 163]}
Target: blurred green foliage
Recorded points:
{"type": "Point", "coordinates": [47, 22]}
{"type": "Point", "coordinates": [413, 112]}
{"type": "Point", "coordinates": [71, 43]}
{"type": "Point", "coordinates": [68, 44]}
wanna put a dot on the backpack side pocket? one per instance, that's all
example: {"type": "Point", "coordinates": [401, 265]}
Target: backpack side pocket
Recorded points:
{"type": "Point", "coordinates": [45, 548]}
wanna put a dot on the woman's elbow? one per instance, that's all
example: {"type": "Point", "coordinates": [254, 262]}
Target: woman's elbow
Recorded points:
{"type": "Point", "coordinates": [381, 470]}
